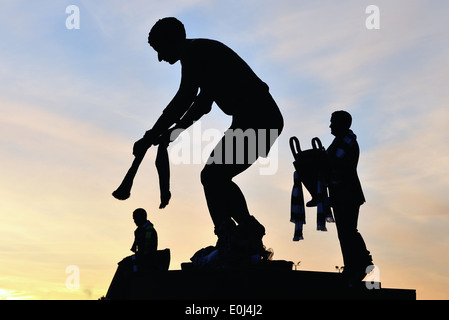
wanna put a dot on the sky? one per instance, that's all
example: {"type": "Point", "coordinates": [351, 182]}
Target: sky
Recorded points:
{"type": "Point", "coordinates": [74, 100]}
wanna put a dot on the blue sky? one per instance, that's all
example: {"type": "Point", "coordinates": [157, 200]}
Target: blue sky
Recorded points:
{"type": "Point", "coordinates": [72, 103]}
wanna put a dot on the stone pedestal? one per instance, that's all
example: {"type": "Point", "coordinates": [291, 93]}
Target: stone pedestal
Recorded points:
{"type": "Point", "coordinates": [274, 281]}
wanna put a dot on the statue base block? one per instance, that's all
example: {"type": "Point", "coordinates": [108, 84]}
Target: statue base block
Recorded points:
{"type": "Point", "coordinates": [273, 281]}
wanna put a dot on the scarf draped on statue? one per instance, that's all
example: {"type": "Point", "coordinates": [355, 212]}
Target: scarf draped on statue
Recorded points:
{"type": "Point", "coordinates": [309, 172]}
{"type": "Point", "coordinates": [163, 170]}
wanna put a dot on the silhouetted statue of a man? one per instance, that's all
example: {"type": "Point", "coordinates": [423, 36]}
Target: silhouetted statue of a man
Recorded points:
{"type": "Point", "coordinates": [346, 196]}
{"type": "Point", "coordinates": [220, 76]}
{"type": "Point", "coordinates": [145, 239]}
{"type": "Point", "coordinates": [144, 258]}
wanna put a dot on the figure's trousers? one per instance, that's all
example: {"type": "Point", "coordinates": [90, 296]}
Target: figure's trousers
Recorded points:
{"type": "Point", "coordinates": [353, 248]}
{"type": "Point", "coordinates": [236, 152]}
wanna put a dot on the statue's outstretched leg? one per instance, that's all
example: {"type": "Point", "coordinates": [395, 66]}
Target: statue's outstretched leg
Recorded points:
{"type": "Point", "coordinates": [239, 234]}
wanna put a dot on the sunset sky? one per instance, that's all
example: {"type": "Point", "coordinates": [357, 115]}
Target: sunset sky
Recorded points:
{"type": "Point", "coordinates": [73, 102]}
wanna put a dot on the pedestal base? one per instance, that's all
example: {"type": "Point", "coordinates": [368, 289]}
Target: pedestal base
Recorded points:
{"type": "Point", "coordinates": [253, 283]}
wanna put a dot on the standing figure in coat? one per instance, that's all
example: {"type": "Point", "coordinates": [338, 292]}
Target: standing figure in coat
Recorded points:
{"type": "Point", "coordinates": [346, 196]}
